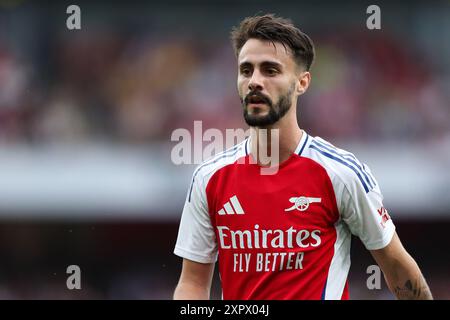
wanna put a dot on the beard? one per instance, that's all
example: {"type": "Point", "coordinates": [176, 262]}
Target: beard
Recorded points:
{"type": "Point", "coordinates": [276, 111]}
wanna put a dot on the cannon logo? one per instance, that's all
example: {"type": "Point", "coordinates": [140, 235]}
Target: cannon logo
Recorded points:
{"type": "Point", "coordinates": [302, 203]}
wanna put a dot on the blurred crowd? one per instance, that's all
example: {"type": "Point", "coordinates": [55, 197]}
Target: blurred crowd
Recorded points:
{"type": "Point", "coordinates": [125, 87]}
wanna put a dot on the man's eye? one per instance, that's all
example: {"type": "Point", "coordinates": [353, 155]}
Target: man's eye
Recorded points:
{"type": "Point", "coordinates": [272, 71]}
{"type": "Point", "coordinates": [245, 72]}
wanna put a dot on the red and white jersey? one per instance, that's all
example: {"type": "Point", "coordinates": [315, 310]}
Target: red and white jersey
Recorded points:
{"type": "Point", "coordinates": [286, 235]}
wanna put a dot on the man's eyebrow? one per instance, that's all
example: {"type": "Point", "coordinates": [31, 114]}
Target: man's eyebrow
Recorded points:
{"type": "Point", "coordinates": [245, 64]}
{"type": "Point", "coordinates": [263, 64]}
{"type": "Point", "coordinates": [271, 64]}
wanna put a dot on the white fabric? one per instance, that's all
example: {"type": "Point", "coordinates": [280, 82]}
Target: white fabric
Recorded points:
{"type": "Point", "coordinates": [196, 238]}
{"type": "Point", "coordinates": [357, 208]}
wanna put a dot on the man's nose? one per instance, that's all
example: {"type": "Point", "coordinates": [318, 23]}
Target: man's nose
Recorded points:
{"type": "Point", "coordinates": [256, 82]}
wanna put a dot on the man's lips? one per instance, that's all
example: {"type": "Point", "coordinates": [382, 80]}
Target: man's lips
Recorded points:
{"type": "Point", "coordinates": [256, 104]}
{"type": "Point", "coordinates": [256, 99]}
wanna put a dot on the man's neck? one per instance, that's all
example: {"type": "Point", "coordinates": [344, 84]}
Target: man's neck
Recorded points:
{"type": "Point", "coordinates": [265, 141]}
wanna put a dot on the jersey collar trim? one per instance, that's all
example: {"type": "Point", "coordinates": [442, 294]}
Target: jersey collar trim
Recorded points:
{"type": "Point", "coordinates": [302, 144]}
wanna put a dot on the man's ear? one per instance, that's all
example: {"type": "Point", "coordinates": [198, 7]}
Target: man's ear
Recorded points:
{"type": "Point", "coordinates": [304, 79]}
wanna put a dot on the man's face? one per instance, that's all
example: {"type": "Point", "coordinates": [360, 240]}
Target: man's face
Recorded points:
{"type": "Point", "coordinates": [266, 81]}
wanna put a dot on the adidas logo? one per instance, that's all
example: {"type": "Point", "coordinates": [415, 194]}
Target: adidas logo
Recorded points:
{"type": "Point", "coordinates": [231, 207]}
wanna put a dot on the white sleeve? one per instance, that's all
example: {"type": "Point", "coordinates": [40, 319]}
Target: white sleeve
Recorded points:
{"type": "Point", "coordinates": [365, 214]}
{"type": "Point", "coordinates": [196, 238]}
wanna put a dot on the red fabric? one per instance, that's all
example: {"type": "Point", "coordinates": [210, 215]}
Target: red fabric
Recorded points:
{"type": "Point", "coordinates": [264, 199]}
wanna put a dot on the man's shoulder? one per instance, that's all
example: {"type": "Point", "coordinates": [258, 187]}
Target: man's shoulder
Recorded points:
{"type": "Point", "coordinates": [221, 159]}
{"type": "Point", "coordinates": [340, 163]}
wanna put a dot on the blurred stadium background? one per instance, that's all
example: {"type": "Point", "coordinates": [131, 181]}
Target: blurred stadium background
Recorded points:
{"type": "Point", "coordinates": [86, 118]}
